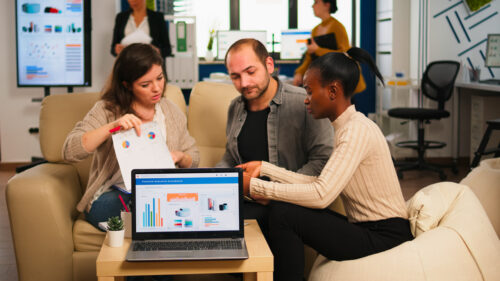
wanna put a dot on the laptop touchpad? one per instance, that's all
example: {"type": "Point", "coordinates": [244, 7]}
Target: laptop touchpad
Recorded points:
{"type": "Point", "coordinates": [176, 254]}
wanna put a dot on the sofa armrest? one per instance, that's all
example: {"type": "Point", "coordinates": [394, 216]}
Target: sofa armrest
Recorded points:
{"type": "Point", "coordinates": [41, 203]}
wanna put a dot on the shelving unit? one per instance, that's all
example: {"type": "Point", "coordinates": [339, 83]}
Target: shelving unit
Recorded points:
{"type": "Point", "coordinates": [393, 56]}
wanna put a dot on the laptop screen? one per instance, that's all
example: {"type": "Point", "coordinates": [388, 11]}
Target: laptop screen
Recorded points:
{"type": "Point", "coordinates": [186, 202]}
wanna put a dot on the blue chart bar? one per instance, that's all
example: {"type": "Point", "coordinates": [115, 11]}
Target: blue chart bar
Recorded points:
{"type": "Point", "coordinates": [77, 8]}
{"type": "Point", "coordinates": [152, 218]}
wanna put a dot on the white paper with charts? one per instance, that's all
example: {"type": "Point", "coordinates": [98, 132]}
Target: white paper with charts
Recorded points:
{"type": "Point", "coordinates": [145, 152]}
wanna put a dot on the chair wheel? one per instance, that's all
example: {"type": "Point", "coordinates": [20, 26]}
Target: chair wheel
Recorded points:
{"type": "Point", "coordinates": [442, 176]}
{"type": "Point", "coordinates": [400, 175]}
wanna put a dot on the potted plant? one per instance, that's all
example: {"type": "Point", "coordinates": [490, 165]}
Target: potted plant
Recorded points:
{"type": "Point", "coordinates": [210, 55]}
{"type": "Point", "coordinates": [116, 232]}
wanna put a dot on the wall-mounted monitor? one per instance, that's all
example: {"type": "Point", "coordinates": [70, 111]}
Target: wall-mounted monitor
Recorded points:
{"type": "Point", "coordinates": [53, 43]}
{"type": "Point", "coordinates": [294, 43]}
{"type": "Point", "coordinates": [225, 38]}
{"type": "Point", "coordinates": [493, 50]}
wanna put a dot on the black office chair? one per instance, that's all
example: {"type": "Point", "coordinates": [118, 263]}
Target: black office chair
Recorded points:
{"type": "Point", "coordinates": [437, 84]}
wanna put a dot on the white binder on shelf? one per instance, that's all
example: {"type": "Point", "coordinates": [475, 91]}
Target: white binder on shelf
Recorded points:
{"type": "Point", "coordinates": [182, 68]}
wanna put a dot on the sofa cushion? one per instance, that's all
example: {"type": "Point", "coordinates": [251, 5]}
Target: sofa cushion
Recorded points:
{"type": "Point", "coordinates": [484, 181]}
{"type": "Point", "coordinates": [86, 237]}
{"type": "Point", "coordinates": [439, 254]}
{"type": "Point", "coordinates": [207, 118]}
{"type": "Point", "coordinates": [428, 206]}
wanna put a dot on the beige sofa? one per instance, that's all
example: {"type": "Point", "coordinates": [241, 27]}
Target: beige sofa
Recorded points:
{"type": "Point", "coordinates": [53, 242]}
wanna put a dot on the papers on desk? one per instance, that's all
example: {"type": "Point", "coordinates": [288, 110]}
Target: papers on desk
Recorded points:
{"type": "Point", "coordinates": [137, 36]}
{"type": "Point", "coordinates": [148, 151]}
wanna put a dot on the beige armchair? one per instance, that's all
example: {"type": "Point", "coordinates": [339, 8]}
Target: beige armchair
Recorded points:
{"type": "Point", "coordinates": [51, 240]}
{"type": "Point", "coordinates": [455, 238]}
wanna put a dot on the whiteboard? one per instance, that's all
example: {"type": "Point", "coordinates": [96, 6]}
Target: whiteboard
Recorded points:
{"type": "Point", "coordinates": [226, 38]}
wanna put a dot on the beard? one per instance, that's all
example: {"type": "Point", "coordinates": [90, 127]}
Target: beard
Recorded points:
{"type": "Point", "coordinates": [260, 91]}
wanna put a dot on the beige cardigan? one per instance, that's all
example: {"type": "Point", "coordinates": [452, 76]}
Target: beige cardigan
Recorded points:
{"type": "Point", "coordinates": [104, 164]}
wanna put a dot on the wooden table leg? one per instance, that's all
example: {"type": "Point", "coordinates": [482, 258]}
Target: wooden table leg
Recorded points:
{"type": "Point", "coordinates": [258, 276]}
{"type": "Point", "coordinates": [264, 276]}
{"type": "Point", "coordinates": [108, 278]}
{"type": "Point", "coordinates": [249, 276]}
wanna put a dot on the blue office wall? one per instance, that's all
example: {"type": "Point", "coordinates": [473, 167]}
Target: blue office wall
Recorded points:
{"type": "Point", "coordinates": [365, 101]}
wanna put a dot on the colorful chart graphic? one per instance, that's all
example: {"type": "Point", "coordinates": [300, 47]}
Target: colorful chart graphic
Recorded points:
{"type": "Point", "coordinates": [211, 221]}
{"type": "Point", "coordinates": [42, 51]}
{"type": "Point", "coordinates": [74, 54]}
{"type": "Point", "coordinates": [58, 28]}
{"type": "Point", "coordinates": [74, 6]}
{"type": "Point", "coordinates": [50, 10]}
{"type": "Point", "coordinates": [31, 28]}
{"type": "Point", "coordinates": [151, 135]}
{"type": "Point", "coordinates": [178, 223]}
{"type": "Point", "coordinates": [73, 29]}
{"type": "Point", "coordinates": [33, 72]}
{"type": "Point", "coordinates": [48, 28]}
{"type": "Point", "coordinates": [151, 215]}
{"type": "Point", "coordinates": [183, 212]}
{"type": "Point", "coordinates": [126, 144]}
{"type": "Point", "coordinates": [31, 8]}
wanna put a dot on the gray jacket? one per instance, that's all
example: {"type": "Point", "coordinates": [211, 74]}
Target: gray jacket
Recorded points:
{"type": "Point", "coordinates": [296, 141]}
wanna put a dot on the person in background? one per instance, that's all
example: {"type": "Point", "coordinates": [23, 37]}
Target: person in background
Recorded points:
{"type": "Point", "coordinates": [134, 95]}
{"type": "Point", "coordinates": [322, 9]}
{"type": "Point", "coordinates": [269, 122]}
{"type": "Point", "coordinates": [360, 171]}
{"type": "Point", "coordinates": [141, 19]}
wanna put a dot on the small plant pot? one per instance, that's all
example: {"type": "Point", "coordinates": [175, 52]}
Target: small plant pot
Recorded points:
{"type": "Point", "coordinates": [127, 223]}
{"type": "Point", "coordinates": [115, 238]}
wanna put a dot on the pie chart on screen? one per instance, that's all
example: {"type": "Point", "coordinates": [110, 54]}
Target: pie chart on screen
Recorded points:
{"type": "Point", "coordinates": [151, 135]}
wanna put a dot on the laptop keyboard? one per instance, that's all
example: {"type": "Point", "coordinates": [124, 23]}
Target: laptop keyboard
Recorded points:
{"type": "Point", "coordinates": [187, 245]}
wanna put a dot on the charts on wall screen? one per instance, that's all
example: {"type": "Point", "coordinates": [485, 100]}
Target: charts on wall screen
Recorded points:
{"type": "Point", "coordinates": [50, 42]}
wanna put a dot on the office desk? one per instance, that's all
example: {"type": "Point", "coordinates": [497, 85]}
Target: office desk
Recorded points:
{"type": "Point", "coordinates": [461, 109]}
{"type": "Point", "coordinates": [111, 264]}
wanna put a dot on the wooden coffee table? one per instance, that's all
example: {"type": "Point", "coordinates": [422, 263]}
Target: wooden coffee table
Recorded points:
{"type": "Point", "coordinates": [111, 264]}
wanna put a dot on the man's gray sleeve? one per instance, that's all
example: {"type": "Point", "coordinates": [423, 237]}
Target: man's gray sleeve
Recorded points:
{"type": "Point", "coordinates": [318, 142]}
{"type": "Point", "coordinates": [228, 160]}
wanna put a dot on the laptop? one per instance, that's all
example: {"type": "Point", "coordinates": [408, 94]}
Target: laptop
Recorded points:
{"type": "Point", "coordinates": [187, 214]}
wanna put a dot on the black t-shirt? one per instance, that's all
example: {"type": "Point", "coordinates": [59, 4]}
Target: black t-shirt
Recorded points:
{"type": "Point", "coordinates": [252, 141]}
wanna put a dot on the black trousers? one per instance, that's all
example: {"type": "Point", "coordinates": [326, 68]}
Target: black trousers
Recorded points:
{"type": "Point", "coordinates": [329, 233]}
{"type": "Point", "coordinates": [253, 210]}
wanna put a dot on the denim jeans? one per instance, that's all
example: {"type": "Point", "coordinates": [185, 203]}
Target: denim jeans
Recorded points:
{"type": "Point", "coordinates": [106, 206]}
